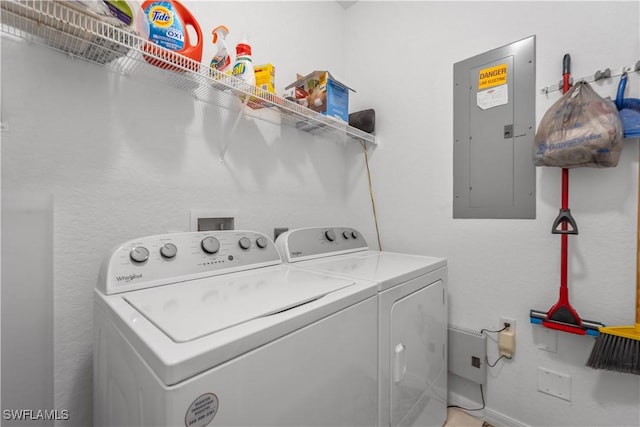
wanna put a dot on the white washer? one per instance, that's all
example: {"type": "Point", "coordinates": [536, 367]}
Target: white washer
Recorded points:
{"type": "Point", "coordinates": [412, 317]}
{"type": "Point", "coordinates": [212, 328]}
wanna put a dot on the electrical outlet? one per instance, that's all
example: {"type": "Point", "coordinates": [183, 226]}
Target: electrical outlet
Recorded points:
{"type": "Point", "coordinates": [512, 322]}
{"type": "Point", "coordinates": [278, 231]}
{"type": "Point", "coordinates": [507, 338]}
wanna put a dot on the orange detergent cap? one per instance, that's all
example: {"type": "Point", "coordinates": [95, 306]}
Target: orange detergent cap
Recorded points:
{"type": "Point", "coordinates": [219, 29]}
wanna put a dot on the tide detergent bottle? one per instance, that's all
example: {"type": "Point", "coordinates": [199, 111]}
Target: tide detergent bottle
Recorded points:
{"type": "Point", "coordinates": [168, 24]}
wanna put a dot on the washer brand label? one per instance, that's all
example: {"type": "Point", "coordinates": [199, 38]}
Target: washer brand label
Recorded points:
{"type": "Point", "coordinates": [296, 253]}
{"type": "Point", "coordinates": [202, 411]}
{"type": "Point", "coordinates": [129, 278]}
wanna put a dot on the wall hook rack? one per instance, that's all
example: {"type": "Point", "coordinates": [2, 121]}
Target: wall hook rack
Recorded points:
{"type": "Point", "coordinates": [597, 76]}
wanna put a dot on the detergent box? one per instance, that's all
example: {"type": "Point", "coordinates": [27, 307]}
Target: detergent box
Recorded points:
{"type": "Point", "coordinates": [322, 93]}
{"type": "Point", "coordinates": [266, 77]}
{"type": "Point", "coordinates": [265, 80]}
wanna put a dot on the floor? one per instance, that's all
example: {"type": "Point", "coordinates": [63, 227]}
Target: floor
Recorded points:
{"type": "Point", "coordinates": [459, 418]}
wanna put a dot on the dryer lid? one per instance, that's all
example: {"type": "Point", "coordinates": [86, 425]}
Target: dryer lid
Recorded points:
{"type": "Point", "coordinates": [387, 268]}
{"type": "Point", "coordinates": [190, 310]}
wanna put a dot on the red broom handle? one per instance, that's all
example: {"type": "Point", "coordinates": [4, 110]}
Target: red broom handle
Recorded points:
{"type": "Point", "coordinates": [565, 189]}
{"type": "Point", "coordinates": [564, 238]}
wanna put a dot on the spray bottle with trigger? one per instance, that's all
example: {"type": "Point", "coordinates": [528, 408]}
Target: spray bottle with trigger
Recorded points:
{"type": "Point", "coordinates": [221, 61]}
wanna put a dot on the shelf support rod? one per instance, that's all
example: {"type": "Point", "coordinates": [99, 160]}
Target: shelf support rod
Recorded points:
{"type": "Point", "coordinates": [234, 127]}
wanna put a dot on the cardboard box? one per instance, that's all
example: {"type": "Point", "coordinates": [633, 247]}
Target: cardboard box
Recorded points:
{"type": "Point", "coordinates": [322, 93]}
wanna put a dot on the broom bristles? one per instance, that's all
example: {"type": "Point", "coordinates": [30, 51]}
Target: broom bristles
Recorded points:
{"type": "Point", "coordinates": [617, 349]}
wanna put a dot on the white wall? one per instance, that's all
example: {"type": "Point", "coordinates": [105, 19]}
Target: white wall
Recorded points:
{"type": "Point", "coordinates": [27, 305]}
{"type": "Point", "coordinates": [122, 159]}
{"type": "Point", "coordinates": [401, 54]}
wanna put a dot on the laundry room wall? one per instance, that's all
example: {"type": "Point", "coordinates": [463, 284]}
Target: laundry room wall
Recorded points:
{"type": "Point", "coordinates": [401, 54]}
{"type": "Point", "coordinates": [119, 157]}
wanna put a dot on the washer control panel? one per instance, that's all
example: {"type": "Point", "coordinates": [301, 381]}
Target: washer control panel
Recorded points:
{"type": "Point", "coordinates": [316, 242]}
{"type": "Point", "coordinates": [169, 258]}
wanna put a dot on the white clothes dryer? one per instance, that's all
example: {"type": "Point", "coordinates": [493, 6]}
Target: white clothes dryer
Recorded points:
{"type": "Point", "coordinates": [412, 317]}
{"type": "Point", "coordinates": [211, 328]}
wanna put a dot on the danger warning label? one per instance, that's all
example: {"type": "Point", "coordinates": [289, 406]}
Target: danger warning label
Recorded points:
{"type": "Point", "coordinates": [494, 76]}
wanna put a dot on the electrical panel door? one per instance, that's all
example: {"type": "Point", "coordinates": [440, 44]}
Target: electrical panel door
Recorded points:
{"type": "Point", "coordinates": [494, 128]}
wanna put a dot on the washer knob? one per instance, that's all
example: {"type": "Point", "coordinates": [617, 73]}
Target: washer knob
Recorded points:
{"type": "Point", "coordinates": [244, 243]}
{"type": "Point", "coordinates": [262, 242]}
{"type": "Point", "coordinates": [168, 250]}
{"type": "Point", "coordinates": [210, 245]}
{"type": "Point", "coordinates": [354, 234]}
{"type": "Point", "coordinates": [139, 254]}
{"type": "Point", "coordinates": [330, 235]}
{"type": "Point", "coordinates": [346, 235]}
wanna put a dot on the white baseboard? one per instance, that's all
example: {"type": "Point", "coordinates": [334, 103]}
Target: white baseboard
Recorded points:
{"type": "Point", "coordinates": [499, 419]}
{"type": "Point", "coordinates": [489, 415]}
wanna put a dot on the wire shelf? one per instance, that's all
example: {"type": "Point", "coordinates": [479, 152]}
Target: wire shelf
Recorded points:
{"type": "Point", "coordinates": [71, 28]}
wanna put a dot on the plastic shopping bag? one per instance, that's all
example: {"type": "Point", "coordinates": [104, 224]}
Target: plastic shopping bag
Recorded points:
{"type": "Point", "coordinates": [581, 129]}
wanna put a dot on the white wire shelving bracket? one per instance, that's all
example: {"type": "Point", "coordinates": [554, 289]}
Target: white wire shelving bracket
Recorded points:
{"type": "Point", "coordinates": [69, 28]}
{"type": "Point", "coordinates": [598, 75]}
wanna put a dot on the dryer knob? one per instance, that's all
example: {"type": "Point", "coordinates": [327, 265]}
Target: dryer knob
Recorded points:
{"type": "Point", "coordinates": [346, 235]}
{"type": "Point", "coordinates": [168, 250]}
{"type": "Point", "coordinates": [354, 234]}
{"type": "Point", "coordinates": [139, 254]}
{"type": "Point", "coordinates": [244, 243]}
{"type": "Point", "coordinates": [261, 242]}
{"type": "Point", "coordinates": [210, 245]}
{"type": "Point", "coordinates": [330, 235]}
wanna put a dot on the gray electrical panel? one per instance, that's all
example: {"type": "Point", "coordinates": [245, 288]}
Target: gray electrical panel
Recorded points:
{"type": "Point", "coordinates": [493, 131]}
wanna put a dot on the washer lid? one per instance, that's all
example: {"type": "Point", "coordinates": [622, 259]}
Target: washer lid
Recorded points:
{"type": "Point", "coordinates": [189, 310]}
